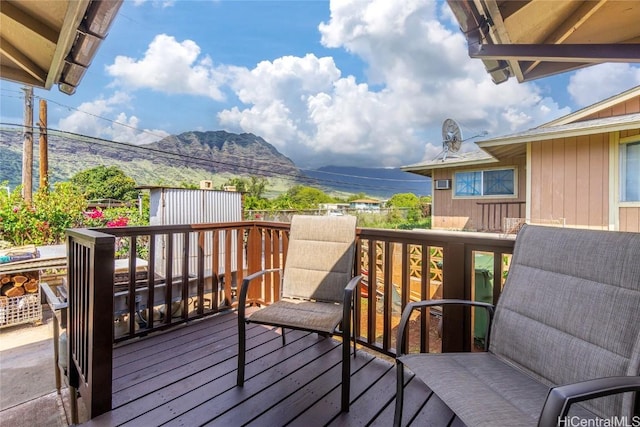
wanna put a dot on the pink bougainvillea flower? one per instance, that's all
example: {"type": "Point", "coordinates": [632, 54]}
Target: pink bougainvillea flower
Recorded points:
{"type": "Point", "coordinates": [95, 214]}
{"type": "Point", "coordinates": [120, 222]}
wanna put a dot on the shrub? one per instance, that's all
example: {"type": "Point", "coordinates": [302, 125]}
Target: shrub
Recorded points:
{"type": "Point", "coordinates": [44, 221]}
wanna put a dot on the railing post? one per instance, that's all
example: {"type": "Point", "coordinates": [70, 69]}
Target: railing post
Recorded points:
{"type": "Point", "coordinates": [453, 281]}
{"type": "Point", "coordinates": [91, 257]}
{"type": "Point", "coordinates": [254, 259]}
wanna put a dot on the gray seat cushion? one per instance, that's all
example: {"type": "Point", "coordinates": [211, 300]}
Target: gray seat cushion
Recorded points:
{"type": "Point", "coordinates": [482, 389]}
{"type": "Point", "coordinates": [570, 312]}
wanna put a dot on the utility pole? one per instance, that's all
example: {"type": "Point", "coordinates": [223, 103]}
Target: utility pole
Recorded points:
{"type": "Point", "coordinates": [27, 147]}
{"type": "Point", "coordinates": [44, 150]}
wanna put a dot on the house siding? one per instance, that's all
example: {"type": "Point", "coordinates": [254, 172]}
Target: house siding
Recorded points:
{"type": "Point", "coordinates": [464, 213]}
{"type": "Point", "coordinates": [570, 181]}
{"type": "Point", "coordinates": [630, 106]}
{"type": "Point", "coordinates": [630, 219]}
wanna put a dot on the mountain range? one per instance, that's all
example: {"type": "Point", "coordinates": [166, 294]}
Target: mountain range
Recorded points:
{"type": "Point", "coordinates": [194, 156]}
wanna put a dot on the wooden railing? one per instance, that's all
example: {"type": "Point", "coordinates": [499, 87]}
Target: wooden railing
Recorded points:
{"type": "Point", "coordinates": [90, 317]}
{"type": "Point", "coordinates": [175, 274]}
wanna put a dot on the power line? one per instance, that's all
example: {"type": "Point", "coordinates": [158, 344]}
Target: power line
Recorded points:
{"type": "Point", "coordinates": [190, 160]}
{"type": "Point", "coordinates": [237, 156]}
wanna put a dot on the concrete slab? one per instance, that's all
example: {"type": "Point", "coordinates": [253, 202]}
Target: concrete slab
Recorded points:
{"type": "Point", "coordinates": [28, 395]}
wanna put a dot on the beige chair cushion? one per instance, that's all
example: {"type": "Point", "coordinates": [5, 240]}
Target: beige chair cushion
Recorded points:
{"type": "Point", "coordinates": [320, 257]}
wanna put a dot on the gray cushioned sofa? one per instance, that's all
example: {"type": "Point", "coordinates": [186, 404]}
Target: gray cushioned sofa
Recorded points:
{"type": "Point", "coordinates": [566, 328]}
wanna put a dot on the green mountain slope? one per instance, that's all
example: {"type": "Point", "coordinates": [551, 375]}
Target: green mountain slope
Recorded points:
{"type": "Point", "coordinates": [185, 158]}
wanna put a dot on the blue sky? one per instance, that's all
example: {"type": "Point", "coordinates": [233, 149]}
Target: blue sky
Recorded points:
{"type": "Point", "coordinates": [350, 82]}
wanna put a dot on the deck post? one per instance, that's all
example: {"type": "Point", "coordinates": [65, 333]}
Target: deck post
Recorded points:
{"type": "Point", "coordinates": [453, 280]}
{"type": "Point", "coordinates": [90, 276]}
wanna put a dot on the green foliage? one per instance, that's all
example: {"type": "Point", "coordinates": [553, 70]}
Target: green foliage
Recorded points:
{"type": "Point", "coordinates": [404, 200]}
{"type": "Point", "coordinates": [122, 217]}
{"type": "Point", "coordinates": [409, 201]}
{"type": "Point", "coordinates": [189, 185]}
{"type": "Point", "coordinates": [356, 197]}
{"type": "Point", "coordinates": [45, 220]}
{"type": "Point", "coordinates": [52, 212]}
{"type": "Point", "coordinates": [105, 182]}
{"type": "Point", "coordinates": [302, 197]}
{"type": "Point", "coordinates": [254, 186]}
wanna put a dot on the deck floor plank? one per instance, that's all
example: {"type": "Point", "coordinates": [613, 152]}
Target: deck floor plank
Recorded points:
{"type": "Point", "coordinates": [191, 393]}
{"type": "Point", "coordinates": [186, 364]}
{"type": "Point", "coordinates": [187, 376]}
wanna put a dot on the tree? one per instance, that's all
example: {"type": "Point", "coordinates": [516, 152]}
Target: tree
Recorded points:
{"type": "Point", "coordinates": [303, 197]}
{"type": "Point", "coordinates": [408, 201]}
{"type": "Point", "coordinates": [356, 197]}
{"type": "Point", "coordinates": [257, 187]}
{"type": "Point", "coordinates": [44, 221]}
{"type": "Point", "coordinates": [404, 200]}
{"type": "Point", "coordinates": [240, 184]}
{"type": "Point", "coordinates": [105, 182]}
{"type": "Point", "coordinates": [254, 186]}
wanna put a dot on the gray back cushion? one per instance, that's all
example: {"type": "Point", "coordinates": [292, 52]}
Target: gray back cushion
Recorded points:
{"type": "Point", "coordinates": [320, 257]}
{"type": "Point", "coordinates": [570, 310]}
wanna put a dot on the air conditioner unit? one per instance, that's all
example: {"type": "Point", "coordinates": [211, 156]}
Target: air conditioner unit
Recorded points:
{"type": "Point", "coordinates": [443, 184]}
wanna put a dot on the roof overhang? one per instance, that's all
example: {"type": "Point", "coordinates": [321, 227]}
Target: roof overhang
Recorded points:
{"type": "Point", "coordinates": [43, 43]}
{"type": "Point", "coordinates": [470, 159]}
{"type": "Point", "coordinates": [538, 38]}
{"type": "Point", "coordinates": [508, 145]}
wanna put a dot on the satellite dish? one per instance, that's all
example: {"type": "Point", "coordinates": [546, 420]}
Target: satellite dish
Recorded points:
{"type": "Point", "coordinates": [451, 137]}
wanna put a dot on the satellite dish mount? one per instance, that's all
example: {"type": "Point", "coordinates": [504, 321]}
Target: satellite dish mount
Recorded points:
{"type": "Point", "coordinates": [451, 138]}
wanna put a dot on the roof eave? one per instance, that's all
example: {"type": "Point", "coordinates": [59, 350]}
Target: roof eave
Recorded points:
{"type": "Point", "coordinates": [559, 133]}
{"type": "Point", "coordinates": [426, 168]}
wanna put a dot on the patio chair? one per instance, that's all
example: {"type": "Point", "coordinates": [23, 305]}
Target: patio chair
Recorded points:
{"type": "Point", "coordinates": [317, 288]}
{"type": "Point", "coordinates": [566, 330]}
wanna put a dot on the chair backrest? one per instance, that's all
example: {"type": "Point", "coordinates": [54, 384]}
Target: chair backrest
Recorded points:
{"type": "Point", "coordinates": [320, 257]}
{"type": "Point", "coordinates": [570, 309]}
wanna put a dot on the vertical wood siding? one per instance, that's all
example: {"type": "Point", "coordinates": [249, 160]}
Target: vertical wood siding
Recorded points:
{"type": "Point", "coordinates": [628, 107]}
{"type": "Point", "coordinates": [570, 180]}
{"type": "Point", "coordinates": [630, 219]}
{"type": "Point", "coordinates": [466, 214]}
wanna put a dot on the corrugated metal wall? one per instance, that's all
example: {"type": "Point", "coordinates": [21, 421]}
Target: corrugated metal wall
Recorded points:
{"type": "Point", "coordinates": [172, 206]}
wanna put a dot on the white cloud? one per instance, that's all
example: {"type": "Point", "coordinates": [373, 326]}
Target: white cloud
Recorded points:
{"type": "Point", "coordinates": [421, 74]}
{"type": "Point", "coordinates": [418, 73]}
{"type": "Point", "coordinates": [590, 85]}
{"type": "Point", "coordinates": [171, 67]}
{"type": "Point", "coordinates": [156, 3]}
{"type": "Point", "coordinates": [92, 118]}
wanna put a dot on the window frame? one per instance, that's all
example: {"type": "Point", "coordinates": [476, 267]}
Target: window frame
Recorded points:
{"type": "Point", "coordinates": [482, 171]}
{"type": "Point", "coordinates": [622, 169]}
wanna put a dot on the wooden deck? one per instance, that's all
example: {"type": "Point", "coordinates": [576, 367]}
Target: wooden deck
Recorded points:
{"type": "Point", "coordinates": [186, 377]}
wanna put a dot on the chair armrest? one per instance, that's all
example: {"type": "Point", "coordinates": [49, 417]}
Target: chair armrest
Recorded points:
{"type": "Point", "coordinates": [560, 398]}
{"type": "Point", "coordinates": [349, 295]}
{"type": "Point", "coordinates": [351, 286]}
{"type": "Point", "coordinates": [406, 313]}
{"type": "Point", "coordinates": [242, 296]}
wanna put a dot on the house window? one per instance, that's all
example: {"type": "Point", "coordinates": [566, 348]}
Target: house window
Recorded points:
{"type": "Point", "coordinates": [493, 182]}
{"type": "Point", "coordinates": [630, 172]}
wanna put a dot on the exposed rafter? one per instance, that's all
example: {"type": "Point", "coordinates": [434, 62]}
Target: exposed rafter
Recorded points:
{"type": "Point", "coordinates": [44, 43]}
{"type": "Point", "coordinates": [538, 38]}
